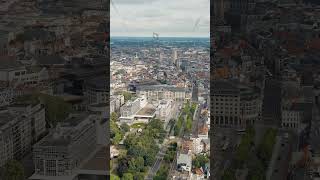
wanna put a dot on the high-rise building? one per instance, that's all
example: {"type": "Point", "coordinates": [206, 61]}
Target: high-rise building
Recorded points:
{"type": "Point", "coordinates": [174, 56]}
{"type": "Point", "coordinates": [195, 91]}
{"type": "Point", "coordinates": [161, 57]}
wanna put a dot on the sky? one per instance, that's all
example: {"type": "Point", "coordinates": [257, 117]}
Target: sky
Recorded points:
{"type": "Point", "coordinates": [168, 18]}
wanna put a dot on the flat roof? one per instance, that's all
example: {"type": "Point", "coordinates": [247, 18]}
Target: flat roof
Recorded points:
{"type": "Point", "coordinates": [148, 110]}
{"type": "Point", "coordinates": [74, 120]}
{"type": "Point", "coordinates": [50, 140]}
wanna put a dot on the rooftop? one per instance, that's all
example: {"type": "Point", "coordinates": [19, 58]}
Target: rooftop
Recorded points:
{"type": "Point", "coordinates": [148, 110]}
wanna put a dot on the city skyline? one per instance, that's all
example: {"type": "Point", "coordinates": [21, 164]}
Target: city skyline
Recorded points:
{"type": "Point", "coordinates": [142, 18]}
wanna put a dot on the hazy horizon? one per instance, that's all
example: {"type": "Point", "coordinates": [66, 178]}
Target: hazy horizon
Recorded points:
{"type": "Point", "coordinates": [168, 18]}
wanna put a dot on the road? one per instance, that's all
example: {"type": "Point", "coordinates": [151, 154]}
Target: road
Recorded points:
{"type": "Point", "coordinates": [153, 170]}
{"type": "Point", "coordinates": [222, 159]}
{"type": "Point", "coordinates": [195, 123]}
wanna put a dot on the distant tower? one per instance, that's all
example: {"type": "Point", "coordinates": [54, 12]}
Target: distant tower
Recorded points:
{"type": "Point", "coordinates": [136, 57]}
{"type": "Point", "coordinates": [174, 56]}
{"type": "Point", "coordinates": [161, 57]}
{"type": "Point", "coordinates": [194, 91]}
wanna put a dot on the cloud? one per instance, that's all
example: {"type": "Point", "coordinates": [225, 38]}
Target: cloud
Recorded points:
{"type": "Point", "coordinates": [167, 17]}
{"type": "Point", "coordinates": [133, 1]}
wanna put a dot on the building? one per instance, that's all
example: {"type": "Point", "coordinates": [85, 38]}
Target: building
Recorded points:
{"type": "Point", "coordinates": [138, 110]}
{"type": "Point", "coordinates": [160, 92]}
{"type": "Point", "coordinates": [132, 107]}
{"type": "Point", "coordinates": [234, 104]}
{"type": "Point", "coordinates": [164, 110]}
{"type": "Point", "coordinates": [97, 90]}
{"type": "Point", "coordinates": [64, 149]}
{"type": "Point", "coordinates": [116, 102]}
{"type": "Point", "coordinates": [203, 131]}
{"type": "Point", "coordinates": [21, 125]}
{"type": "Point", "coordinates": [174, 56]}
{"type": "Point", "coordinates": [184, 162]}
{"type": "Point", "coordinates": [292, 116]}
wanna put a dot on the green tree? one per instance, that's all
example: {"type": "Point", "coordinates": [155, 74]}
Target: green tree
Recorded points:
{"type": "Point", "coordinates": [188, 125]}
{"type": "Point", "coordinates": [127, 96]}
{"type": "Point", "coordinates": [266, 147]}
{"type": "Point", "coordinates": [139, 176]}
{"type": "Point", "coordinates": [127, 176]}
{"type": "Point", "coordinates": [122, 166]}
{"type": "Point", "coordinates": [162, 173]}
{"type": "Point", "coordinates": [200, 161]}
{"type": "Point", "coordinates": [13, 170]}
{"type": "Point", "coordinates": [116, 134]}
{"type": "Point", "coordinates": [228, 174]}
{"type": "Point", "coordinates": [136, 164]}
{"type": "Point", "coordinates": [114, 177]}
{"type": "Point", "coordinates": [114, 116]}
{"type": "Point", "coordinates": [56, 108]}
{"type": "Point", "coordinates": [125, 127]}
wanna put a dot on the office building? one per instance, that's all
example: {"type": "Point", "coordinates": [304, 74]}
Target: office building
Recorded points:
{"type": "Point", "coordinates": [235, 105]}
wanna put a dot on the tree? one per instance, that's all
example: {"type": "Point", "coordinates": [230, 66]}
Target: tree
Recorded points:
{"type": "Point", "coordinates": [13, 170]}
{"type": "Point", "coordinates": [127, 96]}
{"type": "Point", "coordinates": [188, 125]}
{"type": "Point", "coordinates": [178, 126]}
{"type": "Point", "coordinates": [125, 127]}
{"type": "Point", "coordinates": [122, 166]}
{"type": "Point", "coordinates": [162, 173]}
{"type": "Point", "coordinates": [228, 174]}
{"type": "Point", "coordinates": [127, 176]}
{"type": "Point", "coordinates": [200, 161]}
{"type": "Point", "coordinates": [56, 108]}
{"type": "Point", "coordinates": [139, 176]}
{"type": "Point", "coordinates": [116, 134]}
{"type": "Point", "coordinates": [114, 116]}
{"type": "Point", "coordinates": [266, 147]}
{"type": "Point", "coordinates": [136, 164]}
{"type": "Point", "coordinates": [114, 177]}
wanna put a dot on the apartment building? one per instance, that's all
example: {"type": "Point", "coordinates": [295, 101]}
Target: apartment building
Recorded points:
{"type": "Point", "coordinates": [235, 105]}
{"type": "Point", "coordinates": [21, 125]}
{"type": "Point", "coordinates": [65, 148]}
{"type": "Point", "coordinates": [116, 102]}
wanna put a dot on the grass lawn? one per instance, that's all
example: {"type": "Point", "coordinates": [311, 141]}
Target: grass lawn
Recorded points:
{"type": "Point", "coordinates": [138, 125]}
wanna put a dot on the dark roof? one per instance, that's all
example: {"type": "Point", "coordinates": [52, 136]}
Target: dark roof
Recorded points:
{"type": "Point", "coordinates": [98, 82]}
{"type": "Point", "coordinates": [38, 34]}
{"type": "Point", "coordinates": [8, 62]}
{"type": "Point", "coordinates": [50, 60]}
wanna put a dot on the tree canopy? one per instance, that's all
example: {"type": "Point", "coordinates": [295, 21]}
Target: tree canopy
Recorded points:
{"type": "Point", "coordinates": [13, 170]}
